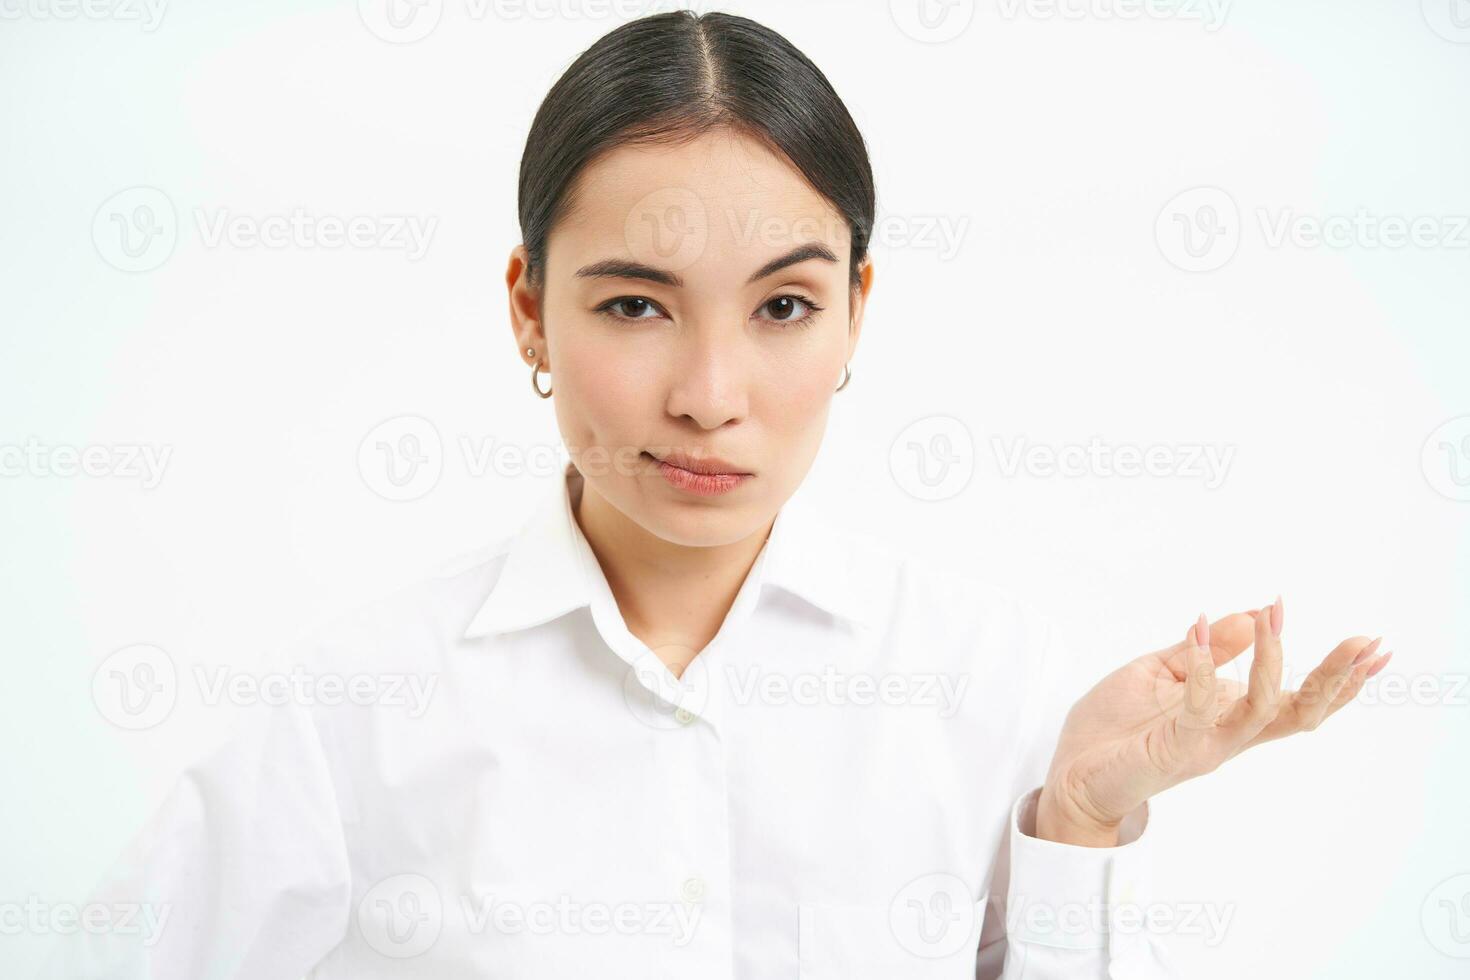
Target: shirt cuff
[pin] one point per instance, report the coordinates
(1073, 897)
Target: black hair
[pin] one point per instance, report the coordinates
(672, 76)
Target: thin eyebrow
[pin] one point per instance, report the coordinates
(811, 250)
(623, 269)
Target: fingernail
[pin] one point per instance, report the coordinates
(1381, 663)
(1202, 632)
(1366, 652)
(1278, 613)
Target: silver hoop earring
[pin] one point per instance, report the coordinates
(846, 376)
(535, 375)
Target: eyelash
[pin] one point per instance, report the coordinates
(812, 309)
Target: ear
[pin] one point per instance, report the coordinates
(858, 300)
(525, 308)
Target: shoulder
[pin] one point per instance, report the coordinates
(410, 622)
(958, 600)
(916, 598)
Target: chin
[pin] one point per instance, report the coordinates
(697, 524)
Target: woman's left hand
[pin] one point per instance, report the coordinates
(1165, 717)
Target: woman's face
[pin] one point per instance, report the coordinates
(696, 300)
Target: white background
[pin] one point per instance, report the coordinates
(1052, 143)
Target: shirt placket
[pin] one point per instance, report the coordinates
(693, 847)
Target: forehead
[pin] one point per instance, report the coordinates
(714, 207)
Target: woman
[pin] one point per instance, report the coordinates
(679, 725)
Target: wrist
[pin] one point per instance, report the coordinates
(1060, 821)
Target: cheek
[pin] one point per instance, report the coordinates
(602, 374)
(600, 386)
(797, 398)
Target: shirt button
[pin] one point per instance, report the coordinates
(693, 889)
(683, 716)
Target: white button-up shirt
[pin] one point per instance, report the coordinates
(841, 786)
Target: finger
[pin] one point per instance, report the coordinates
(1229, 636)
(1381, 663)
(1307, 707)
(1364, 667)
(1262, 700)
(1289, 720)
(1357, 676)
(1197, 718)
(1325, 683)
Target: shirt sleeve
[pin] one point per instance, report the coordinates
(1063, 911)
(241, 872)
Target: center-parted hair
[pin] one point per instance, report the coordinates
(671, 77)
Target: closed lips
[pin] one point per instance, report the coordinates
(704, 465)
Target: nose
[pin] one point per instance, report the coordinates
(711, 377)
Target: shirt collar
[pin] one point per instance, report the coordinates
(550, 569)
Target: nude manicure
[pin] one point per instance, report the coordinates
(1367, 652)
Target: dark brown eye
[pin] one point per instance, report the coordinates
(783, 307)
(790, 310)
(630, 308)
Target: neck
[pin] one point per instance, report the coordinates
(672, 597)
